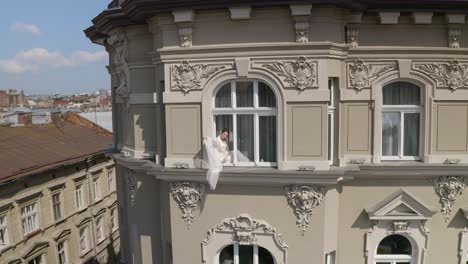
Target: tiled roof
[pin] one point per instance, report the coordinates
(27, 150)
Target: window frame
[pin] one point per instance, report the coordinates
(114, 219)
(403, 109)
(83, 234)
(60, 207)
(33, 260)
(110, 181)
(96, 190)
(393, 258)
(64, 251)
(34, 213)
(79, 190)
(236, 253)
(100, 232)
(4, 229)
(256, 111)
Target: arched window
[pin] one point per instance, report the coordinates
(401, 121)
(243, 254)
(394, 249)
(248, 109)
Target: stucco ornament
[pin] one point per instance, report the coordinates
(399, 227)
(188, 196)
(361, 75)
(244, 230)
(300, 74)
(303, 199)
(452, 75)
(132, 186)
(118, 41)
(187, 77)
(302, 29)
(352, 35)
(454, 34)
(123, 90)
(185, 35)
(448, 188)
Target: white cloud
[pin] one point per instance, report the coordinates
(38, 59)
(23, 27)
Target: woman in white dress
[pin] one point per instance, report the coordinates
(217, 153)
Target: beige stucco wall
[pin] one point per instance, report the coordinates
(450, 128)
(356, 128)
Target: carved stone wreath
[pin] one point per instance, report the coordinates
(186, 77)
(300, 74)
(361, 75)
(188, 196)
(452, 75)
(244, 229)
(303, 199)
(448, 188)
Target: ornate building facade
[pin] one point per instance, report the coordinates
(348, 130)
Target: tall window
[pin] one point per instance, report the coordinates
(79, 196)
(57, 206)
(401, 121)
(96, 193)
(29, 218)
(84, 246)
(3, 232)
(248, 109)
(36, 260)
(240, 254)
(110, 181)
(62, 252)
(113, 219)
(332, 84)
(100, 229)
(394, 249)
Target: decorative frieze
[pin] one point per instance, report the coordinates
(244, 230)
(452, 75)
(303, 199)
(448, 188)
(360, 75)
(300, 74)
(187, 77)
(188, 196)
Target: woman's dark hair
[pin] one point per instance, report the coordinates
(225, 130)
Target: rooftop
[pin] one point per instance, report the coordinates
(35, 148)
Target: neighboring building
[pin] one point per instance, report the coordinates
(12, 98)
(348, 120)
(58, 202)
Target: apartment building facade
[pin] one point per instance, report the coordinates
(348, 130)
(58, 201)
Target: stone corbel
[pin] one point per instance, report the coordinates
(184, 20)
(422, 18)
(301, 15)
(454, 30)
(448, 188)
(389, 18)
(352, 29)
(240, 12)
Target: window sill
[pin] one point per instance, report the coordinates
(101, 240)
(5, 248)
(59, 221)
(32, 234)
(80, 210)
(84, 253)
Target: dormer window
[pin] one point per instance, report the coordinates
(248, 109)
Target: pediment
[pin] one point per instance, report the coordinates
(401, 205)
(59, 235)
(82, 221)
(35, 248)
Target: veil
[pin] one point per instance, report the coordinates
(214, 163)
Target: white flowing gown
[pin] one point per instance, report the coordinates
(217, 153)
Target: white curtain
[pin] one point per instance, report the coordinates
(411, 134)
(390, 133)
(401, 93)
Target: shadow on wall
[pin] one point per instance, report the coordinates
(458, 220)
(113, 257)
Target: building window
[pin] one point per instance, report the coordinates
(248, 109)
(3, 232)
(100, 229)
(96, 193)
(29, 218)
(57, 206)
(401, 121)
(394, 249)
(114, 223)
(79, 196)
(36, 260)
(236, 254)
(62, 252)
(84, 246)
(332, 109)
(110, 181)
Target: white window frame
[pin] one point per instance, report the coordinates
(114, 222)
(393, 259)
(403, 109)
(31, 217)
(79, 198)
(96, 191)
(256, 111)
(60, 208)
(33, 260)
(236, 254)
(110, 181)
(100, 232)
(331, 120)
(63, 251)
(84, 238)
(4, 231)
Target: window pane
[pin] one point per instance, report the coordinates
(267, 140)
(394, 245)
(264, 256)
(224, 122)
(223, 97)
(411, 134)
(401, 93)
(227, 255)
(244, 94)
(245, 138)
(266, 97)
(390, 133)
(245, 254)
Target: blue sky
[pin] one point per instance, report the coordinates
(43, 48)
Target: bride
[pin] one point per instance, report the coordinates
(217, 153)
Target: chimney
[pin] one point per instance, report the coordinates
(56, 117)
(24, 118)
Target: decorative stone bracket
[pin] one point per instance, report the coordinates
(452, 75)
(360, 75)
(184, 20)
(448, 188)
(188, 196)
(301, 16)
(300, 74)
(303, 199)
